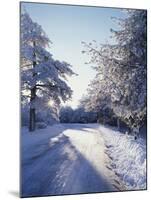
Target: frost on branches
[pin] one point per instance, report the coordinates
(43, 79)
(121, 70)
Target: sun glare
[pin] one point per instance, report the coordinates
(50, 103)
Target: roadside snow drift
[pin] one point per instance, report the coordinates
(127, 157)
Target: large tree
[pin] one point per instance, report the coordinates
(122, 68)
(42, 77)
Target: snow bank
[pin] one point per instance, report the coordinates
(128, 157)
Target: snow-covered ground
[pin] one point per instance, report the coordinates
(80, 158)
(127, 157)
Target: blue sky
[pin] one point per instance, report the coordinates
(67, 26)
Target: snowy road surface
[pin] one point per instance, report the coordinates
(66, 159)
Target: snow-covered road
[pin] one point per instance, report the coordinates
(66, 159)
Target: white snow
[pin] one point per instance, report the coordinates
(65, 159)
(31, 142)
(127, 157)
(80, 158)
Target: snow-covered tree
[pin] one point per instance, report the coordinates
(98, 101)
(42, 77)
(66, 114)
(78, 115)
(132, 50)
(121, 69)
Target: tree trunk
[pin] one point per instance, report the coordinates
(104, 117)
(32, 112)
(118, 124)
(98, 117)
(32, 119)
(104, 121)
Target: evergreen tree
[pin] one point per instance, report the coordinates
(42, 77)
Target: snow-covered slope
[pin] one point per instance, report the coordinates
(127, 157)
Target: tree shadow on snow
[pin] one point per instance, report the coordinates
(61, 169)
